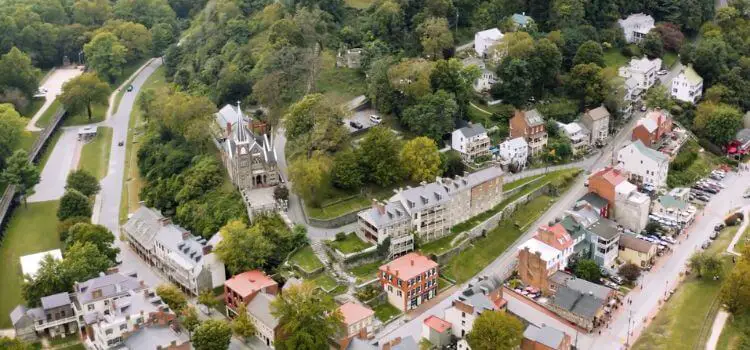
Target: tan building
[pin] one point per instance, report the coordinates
(544, 338)
(530, 126)
(358, 320)
(536, 262)
(636, 251)
(596, 122)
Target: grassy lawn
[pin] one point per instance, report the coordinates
(46, 117)
(32, 107)
(359, 4)
(339, 84)
(354, 203)
(30, 230)
(438, 246)
(132, 182)
(95, 154)
(700, 167)
(127, 71)
(520, 182)
(98, 113)
(385, 311)
(733, 332)
(350, 244)
(366, 272)
(669, 59)
(325, 282)
(742, 242)
(614, 58)
(685, 321)
(27, 139)
(306, 259)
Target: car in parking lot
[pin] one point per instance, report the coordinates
(669, 239)
(662, 72)
(355, 124)
(617, 279)
(375, 119)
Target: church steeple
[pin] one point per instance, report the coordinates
(241, 137)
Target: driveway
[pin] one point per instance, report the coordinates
(63, 159)
(362, 117)
(53, 84)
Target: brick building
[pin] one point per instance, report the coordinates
(529, 125)
(409, 280)
(652, 127)
(242, 288)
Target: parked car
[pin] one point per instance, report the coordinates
(120, 143)
(706, 244)
(713, 235)
(662, 72)
(617, 279)
(375, 119)
(355, 124)
(669, 239)
(719, 227)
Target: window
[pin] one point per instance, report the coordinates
(106, 312)
(90, 307)
(399, 293)
(123, 327)
(62, 313)
(108, 331)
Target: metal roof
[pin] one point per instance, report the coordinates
(546, 335)
(55, 300)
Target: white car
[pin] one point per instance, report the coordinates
(662, 72)
(669, 239)
(375, 119)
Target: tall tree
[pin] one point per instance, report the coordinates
(671, 36)
(73, 203)
(212, 335)
(91, 12)
(242, 325)
(11, 130)
(146, 12)
(208, 299)
(82, 181)
(587, 84)
(106, 55)
(307, 320)
(567, 13)
(588, 270)
(451, 76)
(653, 45)
(17, 72)
(185, 114)
(495, 330)
(421, 159)
(21, 173)
(315, 124)
(718, 122)
(242, 249)
(710, 59)
(309, 177)
(172, 296)
(433, 116)
(379, 152)
(515, 81)
(347, 170)
(134, 36)
(161, 37)
(97, 235)
(83, 91)
(546, 61)
(189, 319)
(658, 97)
(589, 52)
(49, 279)
(83, 261)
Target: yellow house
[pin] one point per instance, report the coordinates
(636, 251)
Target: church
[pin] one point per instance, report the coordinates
(247, 150)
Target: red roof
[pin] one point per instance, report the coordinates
(438, 324)
(249, 282)
(562, 239)
(611, 175)
(409, 266)
(354, 312)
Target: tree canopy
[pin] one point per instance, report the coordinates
(306, 319)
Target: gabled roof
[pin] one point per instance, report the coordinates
(521, 19)
(634, 243)
(605, 228)
(561, 238)
(472, 130)
(533, 117)
(260, 308)
(613, 176)
(55, 300)
(650, 153)
(409, 266)
(597, 113)
(691, 76)
(354, 312)
(491, 34)
(594, 200)
(110, 285)
(17, 313)
(581, 285)
(249, 282)
(550, 337)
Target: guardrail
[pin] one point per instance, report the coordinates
(10, 191)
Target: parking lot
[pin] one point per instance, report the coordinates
(362, 117)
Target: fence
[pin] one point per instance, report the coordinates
(41, 141)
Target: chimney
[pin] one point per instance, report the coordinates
(164, 221)
(412, 262)
(185, 235)
(380, 207)
(229, 129)
(207, 249)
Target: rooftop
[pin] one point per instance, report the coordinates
(354, 312)
(438, 324)
(109, 285)
(581, 285)
(409, 266)
(595, 200)
(533, 117)
(514, 143)
(521, 19)
(611, 175)
(55, 300)
(562, 239)
(153, 337)
(598, 113)
(546, 335)
(472, 130)
(249, 282)
(691, 76)
(650, 153)
(547, 252)
(634, 243)
(31, 263)
(476, 294)
(491, 34)
(260, 308)
(605, 228)
(668, 201)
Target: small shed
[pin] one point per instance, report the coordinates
(437, 331)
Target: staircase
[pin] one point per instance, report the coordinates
(320, 252)
(338, 272)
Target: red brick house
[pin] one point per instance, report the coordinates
(652, 127)
(603, 183)
(244, 287)
(409, 280)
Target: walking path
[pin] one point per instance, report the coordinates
(53, 84)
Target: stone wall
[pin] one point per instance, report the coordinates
(338, 221)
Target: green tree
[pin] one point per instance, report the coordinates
(106, 55)
(588, 270)
(566, 13)
(309, 177)
(161, 37)
(589, 52)
(379, 152)
(146, 12)
(49, 279)
(718, 122)
(452, 164)
(315, 124)
(73, 203)
(134, 36)
(347, 171)
(709, 59)
(546, 61)
(173, 297)
(17, 72)
(91, 12)
(587, 84)
(11, 130)
(212, 335)
(433, 116)
(388, 21)
(658, 97)
(451, 76)
(242, 249)
(696, 263)
(83, 91)
(496, 330)
(515, 45)
(307, 320)
(189, 319)
(515, 81)
(420, 158)
(653, 45)
(242, 325)
(63, 227)
(187, 115)
(98, 235)
(735, 290)
(83, 261)
(630, 272)
(208, 299)
(382, 95)
(14, 344)
(19, 171)
(411, 77)
(82, 181)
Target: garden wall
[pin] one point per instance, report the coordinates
(338, 221)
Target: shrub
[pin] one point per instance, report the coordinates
(340, 236)
(629, 272)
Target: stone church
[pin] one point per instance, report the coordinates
(248, 155)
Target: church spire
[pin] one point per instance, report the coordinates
(240, 124)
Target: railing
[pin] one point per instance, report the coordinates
(10, 191)
(48, 324)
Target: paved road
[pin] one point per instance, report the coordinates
(63, 159)
(53, 84)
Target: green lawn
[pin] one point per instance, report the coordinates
(27, 139)
(614, 58)
(354, 203)
(385, 311)
(132, 182)
(32, 107)
(438, 246)
(340, 84)
(669, 59)
(511, 185)
(95, 154)
(30, 230)
(685, 321)
(742, 242)
(734, 330)
(98, 113)
(366, 272)
(306, 259)
(350, 244)
(46, 117)
(325, 282)
(359, 4)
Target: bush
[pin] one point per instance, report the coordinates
(631, 51)
(281, 193)
(63, 227)
(629, 272)
(83, 181)
(340, 236)
(73, 203)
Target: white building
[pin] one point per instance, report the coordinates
(486, 79)
(631, 207)
(31, 263)
(186, 260)
(642, 70)
(636, 26)
(577, 134)
(471, 141)
(674, 209)
(644, 165)
(515, 151)
(687, 86)
(485, 39)
(266, 324)
(482, 295)
(596, 121)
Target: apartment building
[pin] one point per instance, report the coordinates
(596, 121)
(471, 142)
(642, 70)
(409, 280)
(636, 26)
(626, 205)
(514, 152)
(687, 86)
(536, 262)
(529, 125)
(431, 209)
(643, 164)
(652, 127)
(242, 288)
(186, 260)
(482, 294)
(604, 236)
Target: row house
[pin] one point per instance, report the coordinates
(55, 317)
(625, 205)
(359, 320)
(596, 121)
(601, 234)
(186, 260)
(514, 153)
(471, 142)
(430, 210)
(545, 338)
(409, 281)
(548, 251)
(256, 291)
(636, 251)
(482, 294)
(644, 165)
(578, 136)
(650, 129)
(581, 302)
(529, 125)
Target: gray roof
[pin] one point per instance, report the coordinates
(111, 285)
(580, 285)
(55, 300)
(407, 343)
(598, 113)
(474, 294)
(584, 214)
(472, 130)
(17, 314)
(633, 243)
(594, 199)
(241, 135)
(260, 308)
(546, 335)
(605, 228)
(651, 153)
(533, 117)
(576, 302)
(153, 336)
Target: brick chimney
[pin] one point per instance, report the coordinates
(185, 235)
(229, 129)
(207, 249)
(379, 206)
(411, 262)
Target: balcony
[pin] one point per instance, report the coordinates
(48, 324)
